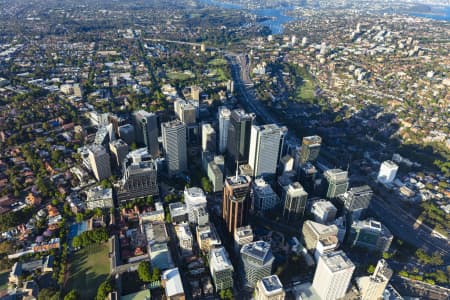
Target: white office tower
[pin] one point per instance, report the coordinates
(293, 40)
(263, 196)
(224, 123)
(208, 138)
(266, 143)
(185, 111)
(304, 41)
(99, 161)
(221, 268)
(372, 287)
(174, 144)
(388, 171)
(194, 198)
(269, 288)
(323, 211)
(257, 260)
(333, 274)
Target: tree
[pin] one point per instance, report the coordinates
(156, 274)
(49, 294)
(72, 295)
(76, 242)
(103, 290)
(371, 269)
(226, 294)
(206, 185)
(144, 271)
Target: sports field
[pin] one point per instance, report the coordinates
(88, 269)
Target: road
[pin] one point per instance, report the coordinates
(395, 218)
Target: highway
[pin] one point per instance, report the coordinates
(395, 218)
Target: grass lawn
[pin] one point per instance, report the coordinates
(306, 90)
(217, 62)
(220, 74)
(4, 280)
(88, 269)
(179, 76)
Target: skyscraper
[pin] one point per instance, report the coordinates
(269, 288)
(174, 144)
(221, 268)
(194, 198)
(266, 144)
(310, 148)
(236, 201)
(337, 182)
(372, 287)
(371, 235)
(294, 198)
(99, 162)
(146, 126)
(119, 150)
(357, 200)
(257, 260)
(263, 197)
(333, 274)
(208, 138)
(238, 143)
(224, 123)
(185, 111)
(139, 176)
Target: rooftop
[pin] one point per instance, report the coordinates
(219, 259)
(312, 140)
(337, 261)
(259, 250)
(272, 284)
(238, 180)
(173, 285)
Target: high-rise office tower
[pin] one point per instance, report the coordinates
(185, 111)
(307, 176)
(357, 200)
(195, 93)
(263, 197)
(257, 260)
(310, 148)
(236, 201)
(127, 133)
(208, 138)
(337, 182)
(116, 122)
(269, 288)
(139, 176)
(146, 126)
(99, 162)
(119, 150)
(194, 198)
(174, 144)
(224, 123)
(294, 198)
(313, 232)
(238, 143)
(388, 171)
(324, 211)
(266, 144)
(371, 235)
(372, 287)
(221, 268)
(333, 274)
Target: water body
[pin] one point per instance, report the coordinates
(443, 15)
(277, 15)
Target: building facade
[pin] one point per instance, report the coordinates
(236, 201)
(175, 146)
